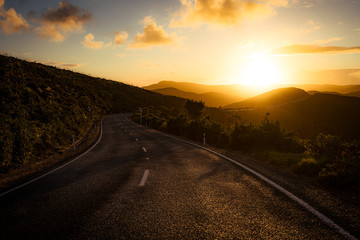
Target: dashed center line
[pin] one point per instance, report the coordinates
(136, 139)
(143, 180)
(144, 149)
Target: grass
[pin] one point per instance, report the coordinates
(37, 167)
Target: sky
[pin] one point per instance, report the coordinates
(142, 42)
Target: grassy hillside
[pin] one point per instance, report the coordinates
(41, 107)
(307, 115)
(211, 99)
(273, 98)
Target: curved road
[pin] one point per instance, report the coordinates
(139, 184)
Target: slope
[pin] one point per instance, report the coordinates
(310, 115)
(272, 98)
(42, 107)
(234, 89)
(211, 99)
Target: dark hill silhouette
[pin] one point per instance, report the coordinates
(353, 94)
(310, 115)
(342, 89)
(211, 99)
(234, 89)
(269, 99)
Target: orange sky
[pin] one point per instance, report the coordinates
(142, 42)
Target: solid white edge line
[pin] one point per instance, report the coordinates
(143, 180)
(58, 168)
(305, 205)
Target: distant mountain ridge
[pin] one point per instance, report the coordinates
(275, 97)
(233, 89)
(211, 99)
(244, 91)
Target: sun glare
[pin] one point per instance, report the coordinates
(259, 72)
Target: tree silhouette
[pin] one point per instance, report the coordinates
(194, 108)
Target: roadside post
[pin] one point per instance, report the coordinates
(204, 138)
(140, 110)
(73, 137)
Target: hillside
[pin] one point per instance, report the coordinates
(211, 99)
(310, 115)
(244, 91)
(41, 107)
(353, 94)
(343, 89)
(271, 99)
(234, 89)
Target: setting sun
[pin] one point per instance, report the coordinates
(260, 71)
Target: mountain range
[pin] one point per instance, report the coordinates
(306, 110)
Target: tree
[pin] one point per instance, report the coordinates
(194, 108)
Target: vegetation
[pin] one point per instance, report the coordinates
(330, 159)
(42, 107)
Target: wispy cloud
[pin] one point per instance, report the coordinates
(89, 42)
(313, 49)
(10, 21)
(223, 12)
(153, 35)
(309, 27)
(58, 22)
(120, 38)
(326, 41)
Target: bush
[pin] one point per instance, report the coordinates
(308, 166)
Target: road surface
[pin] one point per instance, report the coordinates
(138, 184)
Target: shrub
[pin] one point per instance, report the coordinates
(307, 166)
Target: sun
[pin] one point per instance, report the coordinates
(259, 72)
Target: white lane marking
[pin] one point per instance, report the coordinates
(144, 149)
(136, 139)
(305, 205)
(58, 168)
(143, 180)
(147, 158)
(130, 134)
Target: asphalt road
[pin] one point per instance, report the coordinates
(138, 184)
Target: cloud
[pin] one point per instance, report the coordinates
(313, 49)
(90, 43)
(120, 38)
(153, 35)
(223, 12)
(10, 21)
(325, 41)
(58, 22)
(310, 27)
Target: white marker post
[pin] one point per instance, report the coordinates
(73, 141)
(204, 138)
(140, 110)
